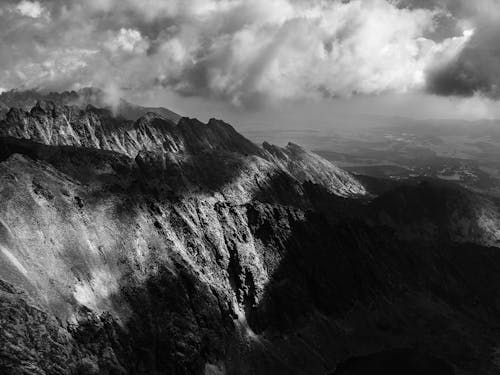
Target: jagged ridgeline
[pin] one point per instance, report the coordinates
(154, 244)
(82, 98)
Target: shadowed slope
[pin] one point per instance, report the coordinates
(204, 155)
(150, 247)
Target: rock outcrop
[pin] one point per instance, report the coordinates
(150, 247)
(26, 100)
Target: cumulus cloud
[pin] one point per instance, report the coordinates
(31, 9)
(128, 40)
(248, 52)
(475, 71)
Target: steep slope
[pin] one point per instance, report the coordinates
(188, 147)
(126, 280)
(53, 124)
(307, 166)
(100, 214)
(349, 290)
(148, 247)
(26, 100)
(434, 210)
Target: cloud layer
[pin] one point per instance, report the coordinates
(247, 52)
(476, 69)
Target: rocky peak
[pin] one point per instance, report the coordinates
(151, 246)
(306, 166)
(15, 115)
(158, 140)
(81, 99)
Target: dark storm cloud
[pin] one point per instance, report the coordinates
(476, 69)
(246, 52)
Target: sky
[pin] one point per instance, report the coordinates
(296, 63)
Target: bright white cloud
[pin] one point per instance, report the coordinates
(128, 40)
(247, 52)
(292, 50)
(31, 9)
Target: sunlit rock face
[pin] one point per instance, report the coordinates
(155, 247)
(213, 152)
(82, 99)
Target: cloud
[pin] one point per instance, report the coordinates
(249, 53)
(475, 70)
(128, 40)
(31, 9)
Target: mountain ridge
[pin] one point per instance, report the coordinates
(154, 247)
(161, 142)
(27, 99)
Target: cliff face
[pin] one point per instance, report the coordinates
(204, 154)
(150, 247)
(26, 100)
(136, 231)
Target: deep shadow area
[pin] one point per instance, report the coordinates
(395, 362)
(148, 174)
(390, 293)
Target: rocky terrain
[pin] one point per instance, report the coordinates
(152, 246)
(83, 98)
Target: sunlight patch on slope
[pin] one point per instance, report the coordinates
(13, 260)
(92, 294)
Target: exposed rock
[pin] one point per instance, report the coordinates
(201, 155)
(149, 247)
(26, 100)
(306, 166)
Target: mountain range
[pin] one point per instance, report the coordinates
(83, 98)
(134, 241)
